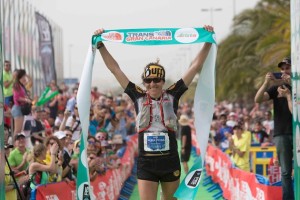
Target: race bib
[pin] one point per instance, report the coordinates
(156, 142)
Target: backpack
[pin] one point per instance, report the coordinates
(25, 187)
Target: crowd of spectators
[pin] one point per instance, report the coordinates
(48, 139)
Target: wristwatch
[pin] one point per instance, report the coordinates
(100, 45)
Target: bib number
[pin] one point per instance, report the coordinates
(156, 142)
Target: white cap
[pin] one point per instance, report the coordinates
(60, 134)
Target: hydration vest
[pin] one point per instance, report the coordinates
(144, 118)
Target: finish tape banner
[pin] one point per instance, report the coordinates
(156, 36)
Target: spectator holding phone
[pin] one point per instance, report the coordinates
(279, 90)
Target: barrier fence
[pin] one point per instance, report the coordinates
(235, 183)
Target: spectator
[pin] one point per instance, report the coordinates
(18, 157)
(240, 148)
(67, 166)
(56, 175)
(72, 101)
(53, 103)
(62, 97)
(259, 137)
(186, 141)
(35, 127)
(223, 132)
(10, 187)
(91, 143)
(279, 90)
(20, 97)
(44, 115)
(117, 124)
(73, 124)
(8, 81)
(268, 123)
(102, 136)
(232, 119)
(38, 169)
(59, 118)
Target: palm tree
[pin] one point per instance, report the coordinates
(260, 38)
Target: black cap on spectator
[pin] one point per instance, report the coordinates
(237, 127)
(286, 61)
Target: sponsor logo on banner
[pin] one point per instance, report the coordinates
(86, 193)
(162, 35)
(193, 178)
(113, 36)
(186, 35)
(52, 197)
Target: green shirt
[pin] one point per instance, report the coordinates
(7, 76)
(15, 159)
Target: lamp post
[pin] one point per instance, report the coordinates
(70, 60)
(211, 10)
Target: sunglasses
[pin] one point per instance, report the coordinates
(91, 142)
(149, 80)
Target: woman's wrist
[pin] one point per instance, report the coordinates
(100, 45)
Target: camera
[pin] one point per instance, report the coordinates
(277, 75)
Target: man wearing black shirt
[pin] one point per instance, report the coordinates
(279, 90)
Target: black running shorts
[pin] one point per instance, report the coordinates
(159, 168)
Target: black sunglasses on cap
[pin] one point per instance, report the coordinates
(149, 80)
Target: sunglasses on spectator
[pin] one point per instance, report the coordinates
(91, 142)
(149, 80)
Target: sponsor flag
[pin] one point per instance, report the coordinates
(83, 188)
(46, 96)
(189, 186)
(203, 110)
(46, 50)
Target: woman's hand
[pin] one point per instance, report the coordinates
(99, 31)
(208, 28)
(54, 149)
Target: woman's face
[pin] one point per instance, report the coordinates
(23, 80)
(154, 86)
(101, 136)
(91, 144)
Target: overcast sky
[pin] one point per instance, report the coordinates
(80, 18)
